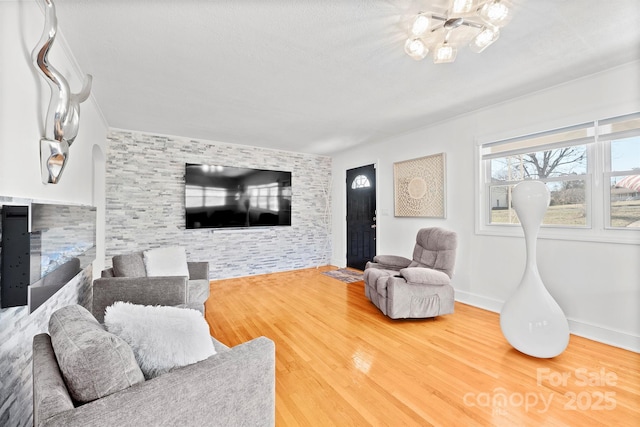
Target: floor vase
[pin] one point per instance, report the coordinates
(531, 320)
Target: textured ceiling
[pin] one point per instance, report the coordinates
(320, 76)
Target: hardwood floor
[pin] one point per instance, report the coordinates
(339, 361)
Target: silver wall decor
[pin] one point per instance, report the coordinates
(63, 115)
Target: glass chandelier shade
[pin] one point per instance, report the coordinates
(444, 53)
(475, 23)
(494, 12)
(415, 48)
(483, 40)
(420, 24)
(462, 6)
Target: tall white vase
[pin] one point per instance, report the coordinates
(531, 320)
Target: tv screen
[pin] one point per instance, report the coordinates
(231, 197)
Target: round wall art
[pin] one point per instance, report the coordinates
(419, 186)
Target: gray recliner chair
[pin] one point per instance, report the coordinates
(418, 287)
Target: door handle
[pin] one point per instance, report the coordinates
(374, 226)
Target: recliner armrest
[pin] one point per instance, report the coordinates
(425, 276)
(162, 290)
(391, 262)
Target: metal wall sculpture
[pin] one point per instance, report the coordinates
(63, 115)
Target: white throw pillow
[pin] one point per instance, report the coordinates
(162, 338)
(171, 261)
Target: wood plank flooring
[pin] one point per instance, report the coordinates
(339, 361)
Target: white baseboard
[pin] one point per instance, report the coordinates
(607, 336)
(485, 303)
(338, 262)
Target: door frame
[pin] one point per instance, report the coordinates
(345, 168)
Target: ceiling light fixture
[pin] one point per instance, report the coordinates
(455, 23)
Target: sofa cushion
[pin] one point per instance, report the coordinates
(94, 363)
(162, 338)
(171, 261)
(129, 265)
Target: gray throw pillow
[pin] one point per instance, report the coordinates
(129, 265)
(94, 363)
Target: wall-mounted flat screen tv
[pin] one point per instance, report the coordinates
(219, 196)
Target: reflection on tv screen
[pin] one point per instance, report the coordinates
(224, 196)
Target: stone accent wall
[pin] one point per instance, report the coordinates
(145, 205)
(17, 328)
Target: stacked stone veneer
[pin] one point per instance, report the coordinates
(145, 205)
(17, 328)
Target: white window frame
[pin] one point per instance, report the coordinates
(608, 133)
(597, 191)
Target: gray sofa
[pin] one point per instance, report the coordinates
(127, 281)
(235, 386)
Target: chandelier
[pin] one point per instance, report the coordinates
(459, 22)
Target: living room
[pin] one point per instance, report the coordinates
(135, 178)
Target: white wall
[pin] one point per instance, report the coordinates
(24, 97)
(596, 284)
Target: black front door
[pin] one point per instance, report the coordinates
(361, 216)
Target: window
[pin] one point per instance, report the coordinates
(558, 158)
(360, 181)
(622, 171)
(592, 171)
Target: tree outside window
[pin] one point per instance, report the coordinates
(564, 172)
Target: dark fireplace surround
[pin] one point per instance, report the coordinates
(43, 245)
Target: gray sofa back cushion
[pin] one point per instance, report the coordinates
(129, 265)
(94, 363)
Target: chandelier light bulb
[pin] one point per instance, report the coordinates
(420, 25)
(484, 39)
(462, 6)
(415, 48)
(444, 53)
(494, 12)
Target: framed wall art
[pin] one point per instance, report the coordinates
(419, 187)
